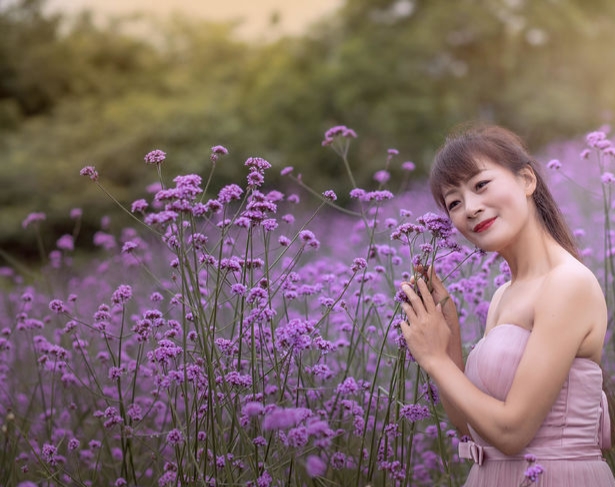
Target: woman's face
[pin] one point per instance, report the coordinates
(492, 207)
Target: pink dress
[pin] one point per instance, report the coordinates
(568, 443)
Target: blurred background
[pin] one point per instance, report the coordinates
(87, 82)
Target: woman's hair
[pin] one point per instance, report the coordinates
(458, 160)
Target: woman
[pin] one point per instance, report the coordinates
(532, 385)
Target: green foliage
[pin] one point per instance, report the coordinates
(73, 93)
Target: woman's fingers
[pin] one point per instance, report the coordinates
(427, 299)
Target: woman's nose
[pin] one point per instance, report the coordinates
(473, 206)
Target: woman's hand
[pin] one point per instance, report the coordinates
(440, 295)
(426, 331)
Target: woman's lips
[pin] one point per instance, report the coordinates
(484, 225)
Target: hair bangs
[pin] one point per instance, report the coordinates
(454, 164)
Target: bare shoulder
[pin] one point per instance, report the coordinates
(571, 286)
(572, 276)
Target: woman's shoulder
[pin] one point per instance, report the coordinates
(571, 274)
(571, 281)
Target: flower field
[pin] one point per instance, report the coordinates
(251, 336)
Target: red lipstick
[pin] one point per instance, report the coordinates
(484, 225)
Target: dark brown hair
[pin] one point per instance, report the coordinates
(457, 161)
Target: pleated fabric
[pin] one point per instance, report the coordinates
(568, 443)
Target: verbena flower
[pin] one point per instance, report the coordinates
(155, 157)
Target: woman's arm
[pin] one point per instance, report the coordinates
(563, 316)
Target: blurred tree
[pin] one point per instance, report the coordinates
(401, 73)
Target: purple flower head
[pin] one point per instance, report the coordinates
(269, 224)
(340, 131)
(128, 247)
(330, 195)
(392, 152)
(90, 172)
(175, 437)
(315, 466)
(76, 213)
(282, 418)
(534, 472)
(155, 157)
(414, 412)
(607, 178)
(33, 218)
(255, 179)
(122, 294)
(357, 193)
(358, 264)
(438, 225)
(408, 166)
(382, 176)
(554, 164)
(57, 306)
(381, 195)
(217, 151)
(229, 193)
(257, 164)
(529, 457)
(66, 242)
(349, 386)
(286, 170)
(139, 206)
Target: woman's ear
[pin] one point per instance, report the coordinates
(528, 177)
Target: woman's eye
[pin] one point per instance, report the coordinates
(452, 205)
(481, 184)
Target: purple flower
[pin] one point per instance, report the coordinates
(414, 412)
(382, 176)
(128, 247)
(533, 472)
(76, 213)
(229, 193)
(554, 164)
(297, 437)
(338, 131)
(438, 225)
(358, 264)
(57, 306)
(217, 151)
(155, 157)
(175, 437)
(392, 152)
(32, 218)
(349, 386)
(252, 409)
(269, 224)
(282, 418)
(357, 193)
(89, 171)
(381, 195)
(315, 466)
(255, 179)
(122, 294)
(607, 178)
(330, 195)
(65, 242)
(408, 166)
(257, 164)
(139, 206)
(286, 170)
